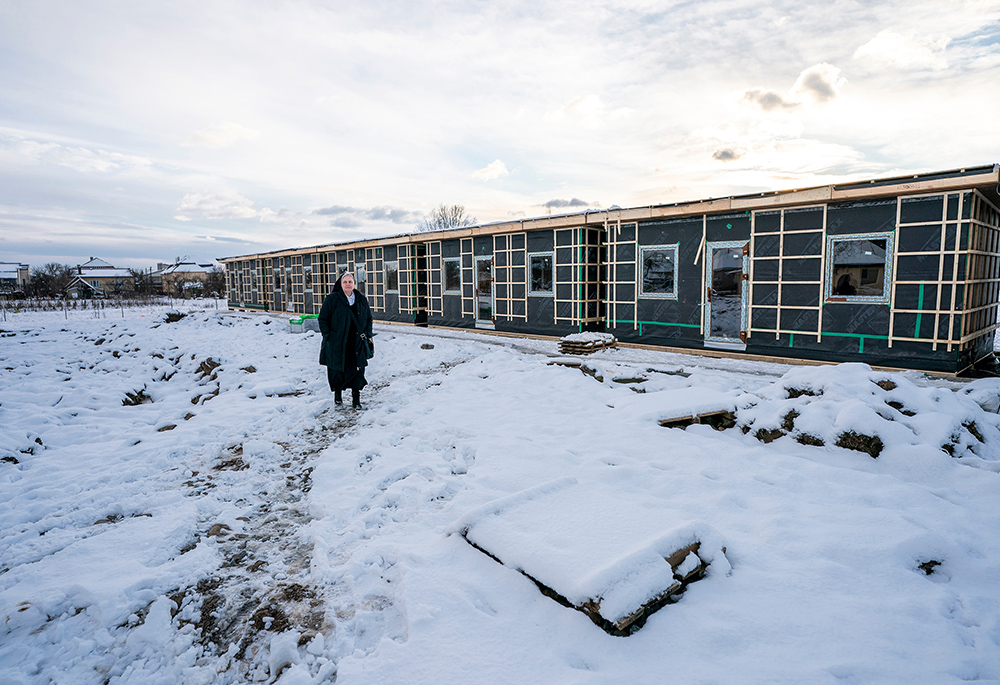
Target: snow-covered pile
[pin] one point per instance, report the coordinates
(591, 548)
(851, 406)
(588, 337)
(585, 343)
(182, 502)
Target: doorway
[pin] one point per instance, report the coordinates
(726, 293)
(484, 292)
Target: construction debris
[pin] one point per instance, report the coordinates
(586, 343)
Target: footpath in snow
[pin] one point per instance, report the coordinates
(181, 502)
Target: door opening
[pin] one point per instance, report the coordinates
(726, 295)
(484, 292)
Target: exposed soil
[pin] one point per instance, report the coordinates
(766, 435)
(262, 588)
(870, 445)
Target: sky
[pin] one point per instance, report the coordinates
(142, 132)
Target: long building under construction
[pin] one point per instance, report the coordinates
(897, 272)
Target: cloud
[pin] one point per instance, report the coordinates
(891, 49)
(561, 204)
(352, 217)
(609, 104)
(726, 155)
(224, 205)
(225, 239)
(76, 157)
(223, 134)
(821, 82)
(495, 169)
(270, 216)
(768, 100)
(588, 110)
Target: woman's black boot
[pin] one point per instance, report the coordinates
(356, 399)
(338, 397)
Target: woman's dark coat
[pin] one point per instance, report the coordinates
(336, 324)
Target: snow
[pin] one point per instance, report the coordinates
(589, 337)
(240, 527)
(587, 544)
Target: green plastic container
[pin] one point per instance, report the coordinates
(310, 322)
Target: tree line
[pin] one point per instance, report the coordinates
(52, 279)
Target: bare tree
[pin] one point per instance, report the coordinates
(50, 279)
(143, 280)
(215, 282)
(444, 217)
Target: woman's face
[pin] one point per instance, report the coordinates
(347, 285)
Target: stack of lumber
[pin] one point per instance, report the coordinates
(586, 343)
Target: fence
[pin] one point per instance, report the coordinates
(98, 308)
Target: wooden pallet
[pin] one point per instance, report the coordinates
(589, 347)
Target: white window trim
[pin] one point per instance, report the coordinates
(385, 271)
(830, 298)
(675, 249)
(552, 261)
(444, 275)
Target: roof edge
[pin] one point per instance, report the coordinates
(982, 175)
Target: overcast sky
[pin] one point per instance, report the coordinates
(141, 130)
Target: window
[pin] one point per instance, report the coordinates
(541, 273)
(859, 267)
(659, 267)
(308, 278)
(392, 276)
(452, 276)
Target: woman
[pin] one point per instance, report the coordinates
(344, 318)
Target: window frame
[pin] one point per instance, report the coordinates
(444, 274)
(831, 240)
(385, 270)
(552, 267)
(674, 248)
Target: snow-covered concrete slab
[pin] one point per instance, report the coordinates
(592, 551)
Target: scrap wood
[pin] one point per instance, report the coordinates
(586, 343)
(576, 348)
(718, 419)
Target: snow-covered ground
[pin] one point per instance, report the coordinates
(181, 502)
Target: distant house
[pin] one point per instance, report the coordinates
(156, 276)
(186, 277)
(13, 278)
(97, 278)
(858, 268)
